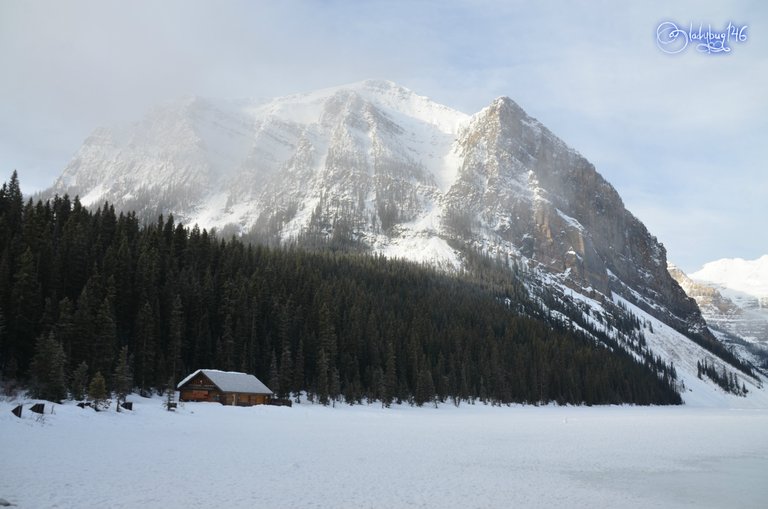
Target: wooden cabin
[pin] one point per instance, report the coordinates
(225, 387)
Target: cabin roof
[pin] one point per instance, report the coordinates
(231, 381)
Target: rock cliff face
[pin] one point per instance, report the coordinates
(528, 191)
(705, 295)
(378, 165)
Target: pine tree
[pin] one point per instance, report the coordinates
(328, 344)
(298, 373)
(97, 392)
(334, 385)
(327, 334)
(170, 395)
(390, 377)
(48, 378)
(226, 354)
(122, 377)
(14, 201)
(425, 388)
(82, 334)
(176, 336)
(27, 309)
(274, 375)
(79, 383)
(286, 373)
(322, 377)
(145, 348)
(105, 338)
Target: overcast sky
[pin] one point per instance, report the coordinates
(684, 138)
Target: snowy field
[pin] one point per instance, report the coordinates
(308, 456)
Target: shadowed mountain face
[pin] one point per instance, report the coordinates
(380, 166)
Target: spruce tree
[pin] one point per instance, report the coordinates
(176, 336)
(27, 309)
(14, 204)
(47, 369)
(122, 377)
(226, 349)
(79, 382)
(286, 373)
(105, 338)
(298, 373)
(145, 348)
(390, 377)
(334, 388)
(170, 394)
(274, 375)
(425, 388)
(322, 377)
(97, 392)
(83, 328)
(327, 334)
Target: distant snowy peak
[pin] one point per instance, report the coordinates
(746, 276)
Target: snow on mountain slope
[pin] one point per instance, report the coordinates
(672, 346)
(362, 142)
(649, 339)
(376, 166)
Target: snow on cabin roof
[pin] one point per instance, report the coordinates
(231, 381)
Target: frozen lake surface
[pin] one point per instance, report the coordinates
(308, 456)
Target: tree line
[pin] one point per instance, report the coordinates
(727, 380)
(98, 293)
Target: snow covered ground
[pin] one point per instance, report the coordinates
(308, 456)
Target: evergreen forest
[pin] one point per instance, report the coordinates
(90, 293)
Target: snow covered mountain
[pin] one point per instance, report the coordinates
(371, 151)
(376, 165)
(743, 281)
(733, 297)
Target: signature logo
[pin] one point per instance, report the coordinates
(672, 39)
